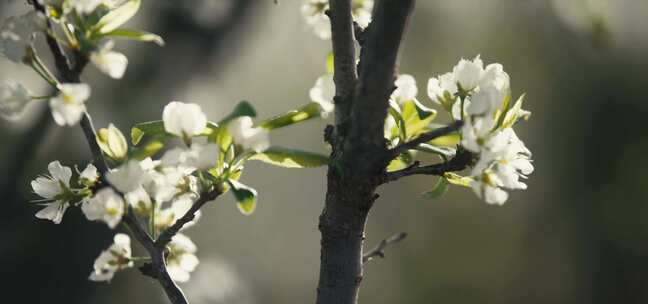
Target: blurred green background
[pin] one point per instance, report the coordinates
(578, 235)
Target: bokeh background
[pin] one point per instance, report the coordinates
(578, 235)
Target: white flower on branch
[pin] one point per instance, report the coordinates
(69, 105)
(182, 259)
(89, 175)
(55, 189)
(140, 201)
(127, 177)
(109, 62)
(184, 119)
(17, 34)
(13, 99)
(314, 12)
(84, 7)
(200, 156)
(106, 206)
(406, 89)
(115, 258)
(247, 136)
(323, 92)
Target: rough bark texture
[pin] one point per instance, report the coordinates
(360, 156)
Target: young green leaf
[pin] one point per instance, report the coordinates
(147, 150)
(243, 108)
(118, 16)
(311, 110)
(246, 197)
(438, 190)
(151, 128)
(291, 158)
(135, 35)
(458, 180)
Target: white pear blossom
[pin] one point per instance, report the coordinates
(323, 93)
(17, 34)
(486, 101)
(405, 89)
(487, 187)
(84, 7)
(109, 62)
(89, 175)
(469, 73)
(13, 99)
(127, 177)
(182, 259)
(164, 218)
(69, 105)
(200, 156)
(106, 206)
(140, 200)
(443, 90)
(249, 137)
(53, 188)
(314, 12)
(116, 257)
(184, 119)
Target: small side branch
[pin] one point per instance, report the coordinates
(402, 148)
(458, 163)
(379, 250)
(165, 237)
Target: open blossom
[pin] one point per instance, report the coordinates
(323, 92)
(106, 206)
(109, 62)
(200, 156)
(89, 175)
(85, 7)
(69, 105)
(184, 119)
(247, 136)
(52, 188)
(127, 177)
(116, 257)
(140, 201)
(13, 99)
(314, 12)
(166, 217)
(406, 89)
(182, 259)
(17, 33)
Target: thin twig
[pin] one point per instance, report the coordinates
(166, 235)
(379, 250)
(461, 161)
(425, 137)
(71, 73)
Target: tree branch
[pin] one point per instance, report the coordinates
(458, 163)
(344, 56)
(379, 250)
(423, 138)
(358, 157)
(165, 237)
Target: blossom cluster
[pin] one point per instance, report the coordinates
(481, 97)
(314, 12)
(84, 27)
(158, 191)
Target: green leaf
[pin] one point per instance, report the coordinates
(156, 129)
(149, 149)
(457, 179)
(311, 110)
(439, 189)
(136, 35)
(117, 17)
(513, 114)
(291, 158)
(396, 113)
(417, 117)
(246, 197)
(151, 128)
(450, 140)
(243, 108)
